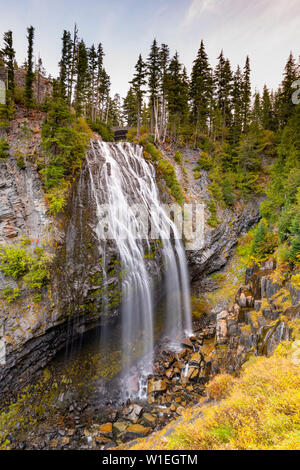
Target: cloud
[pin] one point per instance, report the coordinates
(196, 8)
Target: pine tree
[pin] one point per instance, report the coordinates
(138, 82)
(65, 64)
(267, 110)
(93, 65)
(201, 89)
(29, 78)
(103, 83)
(130, 108)
(82, 79)
(223, 87)
(103, 94)
(8, 54)
(256, 112)
(115, 112)
(237, 105)
(164, 60)
(39, 73)
(73, 66)
(219, 81)
(286, 106)
(153, 70)
(246, 95)
(177, 92)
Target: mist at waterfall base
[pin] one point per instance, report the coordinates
(153, 305)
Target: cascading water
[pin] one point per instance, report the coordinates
(122, 180)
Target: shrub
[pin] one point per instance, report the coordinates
(219, 387)
(169, 175)
(228, 193)
(167, 171)
(20, 159)
(14, 261)
(178, 157)
(205, 161)
(264, 242)
(56, 202)
(213, 221)
(4, 148)
(102, 129)
(38, 274)
(11, 294)
(17, 263)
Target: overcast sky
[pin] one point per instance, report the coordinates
(267, 30)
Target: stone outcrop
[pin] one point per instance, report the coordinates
(257, 322)
(220, 242)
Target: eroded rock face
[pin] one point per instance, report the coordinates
(256, 323)
(220, 242)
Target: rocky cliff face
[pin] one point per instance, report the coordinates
(219, 243)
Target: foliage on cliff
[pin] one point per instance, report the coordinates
(65, 139)
(21, 262)
(163, 167)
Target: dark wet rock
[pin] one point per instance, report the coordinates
(112, 415)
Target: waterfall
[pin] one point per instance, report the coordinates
(121, 179)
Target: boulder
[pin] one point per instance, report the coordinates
(149, 418)
(195, 358)
(132, 412)
(187, 342)
(106, 429)
(120, 426)
(159, 385)
(242, 300)
(221, 328)
(135, 431)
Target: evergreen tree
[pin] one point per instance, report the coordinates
(138, 82)
(201, 89)
(130, 108)
(8, 54)
(65, 64)
(82, 79)
(256, 113)
(164, 60)
(153, 70)
(93, 65)
(29, 78)
(115, 111)
(39, 73)
(223, 87)
(286, 106)
(177, 92)
(267, 110)
(73, 67)
(237, 106)
(246, 95)
(103, 94)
